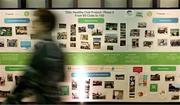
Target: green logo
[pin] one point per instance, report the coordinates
(26, 13)
(149, 13)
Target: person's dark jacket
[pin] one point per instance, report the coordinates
(47, 64)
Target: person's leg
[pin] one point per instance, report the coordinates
(18, 93)
(15, 97)
(48, 95)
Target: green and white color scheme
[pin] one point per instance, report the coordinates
(111, 55)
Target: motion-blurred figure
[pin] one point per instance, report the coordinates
(46, 68)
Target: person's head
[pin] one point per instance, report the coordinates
(44, 21)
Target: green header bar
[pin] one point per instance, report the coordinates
(163, 68)
(123, 58)
(14, 58)
(91, 20)
(15, 68)
(101, 58)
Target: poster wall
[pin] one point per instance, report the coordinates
(111, 55)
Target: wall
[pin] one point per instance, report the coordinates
(88, 3)
(8, 3)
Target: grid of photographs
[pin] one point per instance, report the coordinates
(122, 34)
(112, 36)
(139, 86)
(73, 36)
(8, 36)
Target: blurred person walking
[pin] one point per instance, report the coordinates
(46, 68)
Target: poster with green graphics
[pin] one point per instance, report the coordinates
(111, 55)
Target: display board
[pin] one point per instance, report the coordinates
(111, 55)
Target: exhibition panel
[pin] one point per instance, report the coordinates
(112, 55)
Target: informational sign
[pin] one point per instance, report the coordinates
(111, 55)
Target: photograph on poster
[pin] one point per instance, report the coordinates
(122, 42)
(5, 31)
(142, 25)
(12, 42)
(142, 80)
(153, 87)
(73, 38)
(4, 94)
(17, 79)
(96, 43)
(111, 38)
(135, 43)
(174, 87)
(88, 81)
(117, 94)
(1, 42)
(72, 44)
(175, 42)
(132, 95)
(91, 26)
(82, 29)
(61, 25)
(162, 93)
(73, 29)
(64, 90)
(75, 96)
(148, 44)
(10, 77)
(84, 36)
(119, 76)
(108, 84)
(87, 88)
(132, 87)
(122, 26)
(122, 34)
(110, 47)
(140, 94)
(111, 26)
(162, 30)
(61, 35)
(135, 32)
(87, 95)
(2, 80)
(175, 97)
(74, 85)
(149, 33)
(155, 77)
(85, 45)
(21, 30)
(169, 77)
(97, 83)
(139, 14)
(98, 95)
(97, 32)
(174, 32)
(62, 45)
(162, 42)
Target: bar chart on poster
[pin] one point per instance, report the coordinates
(111, 55)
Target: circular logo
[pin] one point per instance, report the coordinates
(149, 13)
(26, 13)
